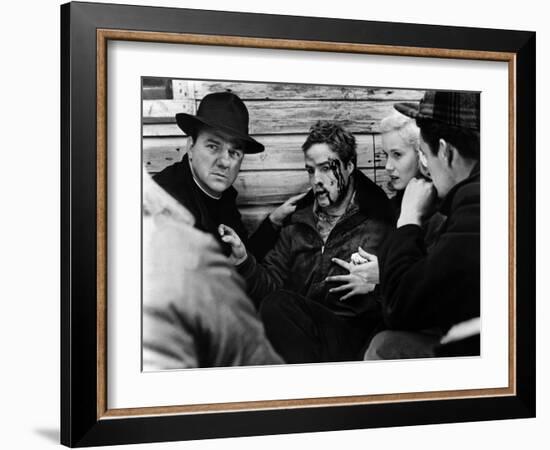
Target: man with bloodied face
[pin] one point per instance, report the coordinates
(304, 320)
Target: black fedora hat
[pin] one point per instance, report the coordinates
(224, 111)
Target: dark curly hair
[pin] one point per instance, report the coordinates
(340, 141)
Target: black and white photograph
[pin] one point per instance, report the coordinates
(303, 223)
(278, 221)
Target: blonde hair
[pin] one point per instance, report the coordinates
(404, 126)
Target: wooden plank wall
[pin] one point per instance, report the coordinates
(280, 117)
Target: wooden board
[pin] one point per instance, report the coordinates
(166, 110)
(381, 178)
(285, 91)
(183, 89)
(252, 216)
(159, 153)
(379, 155)
(274, 117)
(282, 152)
(156, 88)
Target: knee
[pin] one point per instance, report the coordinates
(401, 345)
(381, 346)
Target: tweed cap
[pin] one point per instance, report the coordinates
(458, 109)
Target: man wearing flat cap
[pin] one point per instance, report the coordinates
(202, 181)
(436, 288)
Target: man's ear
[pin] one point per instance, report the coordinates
(350, 166)
(446, 152)
(189, 143)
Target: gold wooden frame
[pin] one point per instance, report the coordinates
(103, 36)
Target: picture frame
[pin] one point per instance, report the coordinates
(86, 28)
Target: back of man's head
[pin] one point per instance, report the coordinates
(466, 141)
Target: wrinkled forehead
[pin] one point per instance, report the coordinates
(319, 154)
(215, 134)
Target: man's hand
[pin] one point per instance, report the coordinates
(365, 265)
(354, 283)
(418, 202)
(278, 215)
(238, 250)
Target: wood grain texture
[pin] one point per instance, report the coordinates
(379, 155)
(156, 88)
(284, 116)
(164, 111)
(182, 89)
(253, 215)
(285, 91)
(381, 178)
(159, 153)
(282, 152)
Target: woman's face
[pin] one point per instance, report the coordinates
(402, 160)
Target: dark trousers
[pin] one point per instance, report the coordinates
(304, 331)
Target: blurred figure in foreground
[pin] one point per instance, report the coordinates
(195, 310)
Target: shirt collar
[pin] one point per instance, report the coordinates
(199, 185)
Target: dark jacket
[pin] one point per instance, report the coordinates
(431, 226)
(300, 261)
(177, 180)
(437, 287)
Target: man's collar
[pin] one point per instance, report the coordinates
(199, 185)
(448, 200)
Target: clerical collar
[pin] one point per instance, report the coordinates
(199, 185)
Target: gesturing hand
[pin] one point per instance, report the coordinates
(278, 215)
(357, 281)
(366, 266)
(238, 250)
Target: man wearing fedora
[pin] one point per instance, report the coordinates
(427, 291)
(202, 181)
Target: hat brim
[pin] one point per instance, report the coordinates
(189, 124)
(408, 109)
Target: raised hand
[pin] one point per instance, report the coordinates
(366, 266)
(418, 202)
(354, 283)
(238, 250)
(278, 215)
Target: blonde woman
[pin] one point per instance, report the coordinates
(404, 161)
